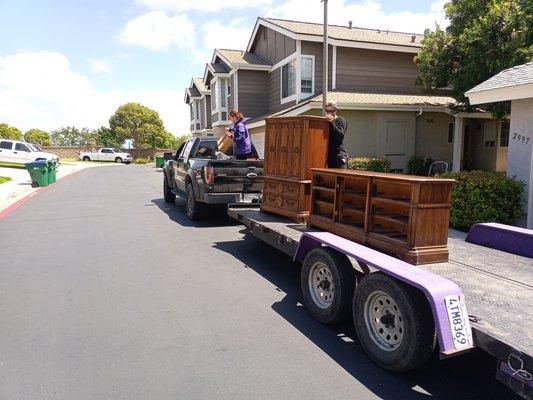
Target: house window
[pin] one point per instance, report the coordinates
(307, 76)
(192, 111)
(223, 88)
(451, 129)
(196, 117)
(214, 97)
(504, 134)
(489, 134)
(288, 80)
(229, 87)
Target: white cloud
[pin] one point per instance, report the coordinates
(203, 5)
(366, 14)
(40, 90)
(158, 31)
(100, 66)
(230, 35)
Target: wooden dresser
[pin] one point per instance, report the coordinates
(293, 145)
(404, 215)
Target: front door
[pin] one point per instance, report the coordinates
(396, 146)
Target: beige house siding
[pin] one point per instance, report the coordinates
(374, 70)
(253, 90)
(432, 136)
(272, 46)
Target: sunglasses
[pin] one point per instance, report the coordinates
(331, 110)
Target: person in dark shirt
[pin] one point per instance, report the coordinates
(337, 156)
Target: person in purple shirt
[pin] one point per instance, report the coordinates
(240, 135)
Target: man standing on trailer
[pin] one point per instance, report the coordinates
(337, 156)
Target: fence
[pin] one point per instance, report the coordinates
(73, 152)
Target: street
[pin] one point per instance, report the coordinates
(107, 292)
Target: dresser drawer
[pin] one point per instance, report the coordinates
(272, 186)
(291, 189)
(289, 203)
(272, 200)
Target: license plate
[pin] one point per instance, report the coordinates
(459, 323)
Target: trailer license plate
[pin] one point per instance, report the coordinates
(459, 323)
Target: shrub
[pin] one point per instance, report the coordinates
(419, 165)
(370, 164)
(4, 179)
(481, 196)
(141, 160)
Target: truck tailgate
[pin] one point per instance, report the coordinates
(233, 176)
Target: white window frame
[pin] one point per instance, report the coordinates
(495, 135)
(312, 57)
(216, 84)
(294, 96)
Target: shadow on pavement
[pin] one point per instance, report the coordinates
(468, 377)
(216, 216)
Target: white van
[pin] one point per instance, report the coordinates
(15, 152)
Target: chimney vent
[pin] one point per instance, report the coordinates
(413, 38)
(350, 24)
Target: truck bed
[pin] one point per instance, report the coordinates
(498, 286)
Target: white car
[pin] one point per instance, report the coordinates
(107, 154)
(15, 152)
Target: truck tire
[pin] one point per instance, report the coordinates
(193, 208)
(86, 158)
(118, 160)
(167, 191)
(393, 322)
(328, 282)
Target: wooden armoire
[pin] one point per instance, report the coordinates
(293, 145)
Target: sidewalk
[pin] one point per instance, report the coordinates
(20, 184)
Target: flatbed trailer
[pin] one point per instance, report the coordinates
(494, 289)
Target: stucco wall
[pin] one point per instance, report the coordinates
(432, 136)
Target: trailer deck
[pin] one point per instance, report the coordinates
(498, 286)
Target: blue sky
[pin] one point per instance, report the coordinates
(73, 62)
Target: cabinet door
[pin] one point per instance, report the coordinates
(270, 149)
(283, 153)
(296, 152)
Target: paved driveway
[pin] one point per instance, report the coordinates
(106, 292)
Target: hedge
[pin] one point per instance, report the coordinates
(141, 160)
(480, 196)
(369, 164)
(419, 165)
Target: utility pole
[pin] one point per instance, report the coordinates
(325, 60)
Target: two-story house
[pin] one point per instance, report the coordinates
(198, 97)
(371, 76)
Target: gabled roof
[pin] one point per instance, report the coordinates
(199, 84)
(241, 58)
(218, 68)
(342, 35)
(510, 84)
(417, 100)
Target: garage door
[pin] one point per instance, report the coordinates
(258, 139)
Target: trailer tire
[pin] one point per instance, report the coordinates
(167, 191)
(393, 322)
(86, 158)
(328, 281)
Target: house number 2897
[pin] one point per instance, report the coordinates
(520, 138)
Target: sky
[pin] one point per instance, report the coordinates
(73, 63)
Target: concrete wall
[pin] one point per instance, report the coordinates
(432, 136)
(520, 156)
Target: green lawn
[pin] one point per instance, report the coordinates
(4, 179)
(12, 165)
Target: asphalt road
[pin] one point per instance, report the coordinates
(106, 292)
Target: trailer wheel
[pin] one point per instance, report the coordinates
(328, 281)
(167, 191)
(394, 323)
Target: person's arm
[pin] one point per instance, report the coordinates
(338, 128)
(239, 132)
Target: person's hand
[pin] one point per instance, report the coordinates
(330, 117)
(227, 129)
(229, 134)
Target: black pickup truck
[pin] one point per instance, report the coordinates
(203, 176)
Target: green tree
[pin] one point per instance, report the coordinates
(38, 136)
(140, 124)
(179, 140)
(10, 132)
(106, 138)
(483, 38)
(72, 136)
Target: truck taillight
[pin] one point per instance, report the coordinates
(209, 175)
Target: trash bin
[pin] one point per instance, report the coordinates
(52, 168)
(38, 173)
(159, 161)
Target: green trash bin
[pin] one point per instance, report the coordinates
(38, 173)
(159, 161)
(52, 168)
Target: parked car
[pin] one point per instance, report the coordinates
(16, 152)
(203, 176)
(106, 154)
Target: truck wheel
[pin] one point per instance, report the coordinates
(167, 191)
(192, 207)
(328, 281)
(86, 158)
(394, 323)
(118, 160)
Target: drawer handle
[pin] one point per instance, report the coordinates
(283, 149)
(280, 201)
(291, 188)
(296, 150)
(291, 202)
(271, 148)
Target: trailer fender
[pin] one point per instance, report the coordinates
(442, 293)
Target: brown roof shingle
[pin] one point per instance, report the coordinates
(239, 57)
(388, 99)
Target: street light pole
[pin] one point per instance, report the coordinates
(325, 61)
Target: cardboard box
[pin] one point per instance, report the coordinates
(224, 142)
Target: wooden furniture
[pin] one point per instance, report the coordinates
(293, 145)
(407, 216)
